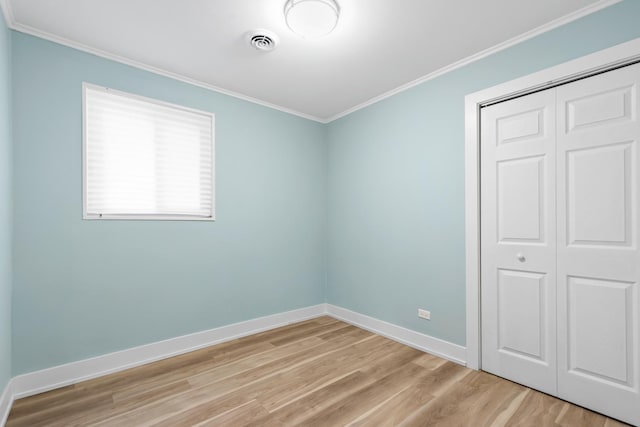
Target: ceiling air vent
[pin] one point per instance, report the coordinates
(263, 40)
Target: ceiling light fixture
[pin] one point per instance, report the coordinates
(311, 18)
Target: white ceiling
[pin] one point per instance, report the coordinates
(378, 46)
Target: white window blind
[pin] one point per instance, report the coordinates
(145, 159)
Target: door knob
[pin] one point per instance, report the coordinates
(521, 257)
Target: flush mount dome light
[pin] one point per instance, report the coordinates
(311, 18)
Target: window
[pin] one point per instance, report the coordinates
(145, 159)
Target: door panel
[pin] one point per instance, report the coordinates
(597, 243)
(518, 240)
(612, 328)
(600, 188)
(522, 312)
(521, 126)
(598, 109)
(521, 199)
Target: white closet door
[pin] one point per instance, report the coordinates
(598, 243)
(518, 240)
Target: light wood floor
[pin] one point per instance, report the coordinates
(321, 372)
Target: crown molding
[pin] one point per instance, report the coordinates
(7, 11)
(155, 70)
(5, 5)
(602, 4)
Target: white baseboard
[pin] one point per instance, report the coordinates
(71, 373)
(6, 400)
(454, 352)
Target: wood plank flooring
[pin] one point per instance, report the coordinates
(321, 372)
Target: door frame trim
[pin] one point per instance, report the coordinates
(595, 63)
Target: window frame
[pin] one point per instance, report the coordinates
(143, 217)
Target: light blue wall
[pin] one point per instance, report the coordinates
(387, 239)
(396, 182)
(85, 288)
(5, 204)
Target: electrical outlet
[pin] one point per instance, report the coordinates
(425, 314)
